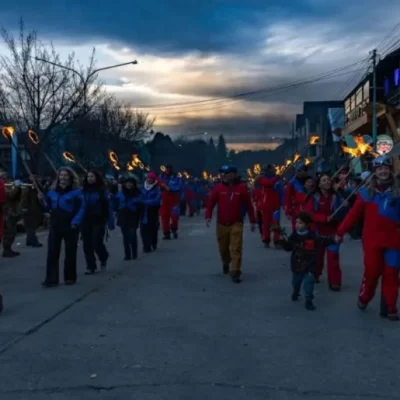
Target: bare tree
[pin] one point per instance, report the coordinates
(120, 121)
(38, 95)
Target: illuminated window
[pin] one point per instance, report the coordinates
(396, 76)
(366, 91)
(352, 102)
(347, 106)
(359, 97)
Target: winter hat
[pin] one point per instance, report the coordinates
(305, 217)
(152, 176)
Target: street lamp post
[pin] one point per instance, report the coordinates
(81, 77)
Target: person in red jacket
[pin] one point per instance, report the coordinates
(295, 194)
(2, 201)
(270, 203)
(321, 205)
(172, 194)
(233, 200)
(379, 205)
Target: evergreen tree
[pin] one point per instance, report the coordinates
(222, 150)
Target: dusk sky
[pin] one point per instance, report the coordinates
(191, 51)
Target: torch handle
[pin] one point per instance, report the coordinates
(49, 161)
(354, 191)
(341, 169)
(26, 166)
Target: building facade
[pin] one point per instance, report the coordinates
(359, 103)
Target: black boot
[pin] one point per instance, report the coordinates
(310, 305)
(90, 271)
(295, 296)
(10, 253)
(225, 269)
(36, 244)
(175, 234)
(167, 236)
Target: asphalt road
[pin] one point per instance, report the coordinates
(170, 326)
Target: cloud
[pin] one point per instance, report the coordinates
(200, 55)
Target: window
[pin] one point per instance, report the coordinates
(347, 106)
(359, 97)
(386, 86)
(396, 77)
(352, 102)
(366, 91)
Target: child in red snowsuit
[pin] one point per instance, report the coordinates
(379, 206)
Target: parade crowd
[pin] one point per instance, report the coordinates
(321, 208)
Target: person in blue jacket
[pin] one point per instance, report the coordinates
(149, 221)
(128, 205)
(66, 206)
(98, 216)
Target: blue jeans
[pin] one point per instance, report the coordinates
(129, 236)
(308, 281)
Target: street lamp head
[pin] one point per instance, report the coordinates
(134, 62)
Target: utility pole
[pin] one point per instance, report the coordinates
(374, 105)
(293, 139)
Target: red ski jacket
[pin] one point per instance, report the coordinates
(233, 201)
(381, 214)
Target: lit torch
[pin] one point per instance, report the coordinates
(112, 156)
(8, 132)
(205, 175)
(361, 149)
(163, 168)
(70, 158)
(313, 140)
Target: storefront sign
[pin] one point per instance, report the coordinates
(384, 144)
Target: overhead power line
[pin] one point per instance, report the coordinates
(321, 76)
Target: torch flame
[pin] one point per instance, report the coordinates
(162, 168)
(112, 155)
(307, 161)
(7, 131)
(33, 137)
(187, 176)
(313, 140)
(296, 157)
(360, 149)
(178, 174)
(257, 169)
(68, 156)
(288, 162)
(128, 166)
(205, 175)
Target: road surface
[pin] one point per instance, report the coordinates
(170, 326)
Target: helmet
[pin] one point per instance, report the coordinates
(382, 161)
(300, 166)
(226, 169)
